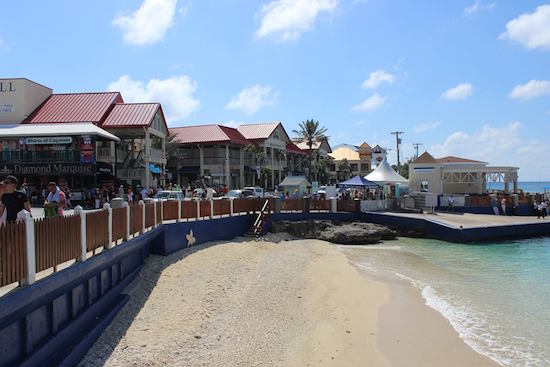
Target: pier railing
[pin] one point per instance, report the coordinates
(34, 248)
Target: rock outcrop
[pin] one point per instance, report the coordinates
(354, 233)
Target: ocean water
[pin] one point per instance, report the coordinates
(495, 295)
(531, 187)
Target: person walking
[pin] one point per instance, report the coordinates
(544, 209)
(503, 206)
(451, 201)
(13, 201)
(536, 209)
(55, 202)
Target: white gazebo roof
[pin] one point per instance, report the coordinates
(384, 174)
(65, 129)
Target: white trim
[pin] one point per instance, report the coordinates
(61, 129)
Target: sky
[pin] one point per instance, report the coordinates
(467, 78)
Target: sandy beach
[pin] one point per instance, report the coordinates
(292, 303)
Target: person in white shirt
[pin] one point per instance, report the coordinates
(544, 209)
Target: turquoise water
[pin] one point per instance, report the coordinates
(532, 187)
(496, 295)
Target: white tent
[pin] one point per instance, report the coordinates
(385, 175)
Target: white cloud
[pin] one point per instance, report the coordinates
(500, 147)
(530, 90)
(420, 128)
(149, 23)
(477, 6)
(175, 94)
(376, 78)
(250, 100)
(231, 123)
(532, 30)
(184, 9)
(461, 91)
(286, 20)
(370, 104)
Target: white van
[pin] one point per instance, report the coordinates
(257, 190)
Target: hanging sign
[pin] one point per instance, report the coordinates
(45, 140)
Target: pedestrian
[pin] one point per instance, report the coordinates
(544, 209)
(130, 194)
(536, 209)
(451, 201)
(68, 195)
(503, 206)
(13, 201)
(121, 191)
(55, 202)
(144, 193)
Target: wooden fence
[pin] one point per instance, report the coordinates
(292, 205)
(13, 253)
(149, 215)
(222, 207)
(320, 205)
(188, 209)
(205, 208)
(97, 229)
(347, 206)
(119, 224)
(241, 205)
(57, 240)
(136, 218)
(170, 210)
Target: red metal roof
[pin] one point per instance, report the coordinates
(453, 159)
(75, 107)
(209, 134)
(126, 115)
(291, 147)
(258, 131)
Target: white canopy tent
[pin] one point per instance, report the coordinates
(385, 175)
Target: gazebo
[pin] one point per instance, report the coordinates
(384, 175)
(359, 182)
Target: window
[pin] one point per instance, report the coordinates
(424, 186)
(353, 167)
(364, 167)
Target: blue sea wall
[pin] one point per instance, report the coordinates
(42, 323)
(466, 235)
(523, 210)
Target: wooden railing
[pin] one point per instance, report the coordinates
(119, 224)
(57, 240)
(13, 253)
(97, 229)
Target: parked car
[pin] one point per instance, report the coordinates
(166, 194)
(256, 190)
(234, 194)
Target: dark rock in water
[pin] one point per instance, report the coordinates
(354, 233)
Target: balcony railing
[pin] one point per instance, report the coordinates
(131, 173)
(104, 152)
(157, 154)
(45, 156)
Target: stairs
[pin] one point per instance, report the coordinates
(256, 229)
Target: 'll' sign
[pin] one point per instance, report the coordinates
(7, 87)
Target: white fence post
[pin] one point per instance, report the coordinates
(125, 205)
(333, 205)
(231, 207)
(161, 211)
(198, 209)
(179, 210)
(107, 207)
(155, 212)
(142, 204)
(31, 252)
(79, 211)
(211, 208)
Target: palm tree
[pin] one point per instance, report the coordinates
(310, 132)
(344, 169)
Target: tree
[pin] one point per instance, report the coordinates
(258, 155)
(309, 133)
(344, 169)
(321, 168)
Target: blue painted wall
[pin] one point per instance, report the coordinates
(524, 210)
(437, 231)
(40, 323)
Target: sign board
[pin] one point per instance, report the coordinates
(423, 169)
(47, 169)
(6, 107)
(45, 140)
(87, 149)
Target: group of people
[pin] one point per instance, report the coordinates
(13, 201)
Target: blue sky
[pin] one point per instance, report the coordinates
(468, 78)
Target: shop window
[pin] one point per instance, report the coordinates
(424, 186)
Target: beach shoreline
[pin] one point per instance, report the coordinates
(291, 303)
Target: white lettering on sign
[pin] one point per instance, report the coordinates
(6, 108)
(46, 140)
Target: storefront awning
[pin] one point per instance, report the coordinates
(66, 129)
(154, 169)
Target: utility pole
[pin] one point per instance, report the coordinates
(416, 145)
(397, 142)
